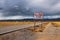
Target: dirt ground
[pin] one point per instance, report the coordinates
(49, 33)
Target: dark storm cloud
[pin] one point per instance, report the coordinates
(17, 7)
(19, 11)
(27, 7)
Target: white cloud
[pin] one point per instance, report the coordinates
(49, 5)
(28, 17)
(52, 17)
(56, 7)
(15, 17)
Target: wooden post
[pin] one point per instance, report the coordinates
(41, 26)
(34, 24)
(41, 16)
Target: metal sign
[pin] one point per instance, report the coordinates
(38, 15)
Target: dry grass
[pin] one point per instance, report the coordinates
(13, 23)
(56, 24)
(4, 24)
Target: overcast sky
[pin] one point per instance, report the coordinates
(19, 9)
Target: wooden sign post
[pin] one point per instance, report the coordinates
(38, 16)
(35, 16)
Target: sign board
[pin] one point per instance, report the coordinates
(38, 15)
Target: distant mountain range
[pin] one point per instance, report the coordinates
(58, 19)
